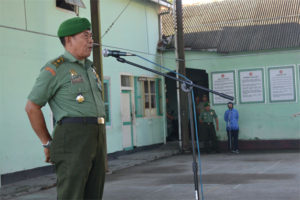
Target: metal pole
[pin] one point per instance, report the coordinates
(177, 86)
(195, 165)
(97, 58)
(183, 100)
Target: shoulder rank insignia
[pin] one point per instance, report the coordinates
(50, 70)
(57, 62)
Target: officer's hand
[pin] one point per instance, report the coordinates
(47, 155)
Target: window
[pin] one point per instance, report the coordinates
(148, 96)
(125, 81)
(66, 6)
(139, 110)
(106, 85)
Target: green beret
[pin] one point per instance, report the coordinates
(73, 26)
(206, 104)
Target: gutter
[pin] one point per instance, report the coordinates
(162, 3)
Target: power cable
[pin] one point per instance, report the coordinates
(113, 23)
(142, 52)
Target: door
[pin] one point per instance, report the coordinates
(127, 129)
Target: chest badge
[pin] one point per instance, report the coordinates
(73, 72)
(97, 78)
(96, 75)
(80, 98)
(75, 78)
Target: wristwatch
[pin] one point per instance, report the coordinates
(48, 144)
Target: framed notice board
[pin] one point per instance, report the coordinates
(223, 82)
(282, 83)
(251, 86)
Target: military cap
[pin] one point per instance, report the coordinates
(73, 26)
(206, 104)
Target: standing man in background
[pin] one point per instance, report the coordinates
(72, 88)
(231, 117)
(200, 105)
(172, 122)
(207, 118)
(200, 108)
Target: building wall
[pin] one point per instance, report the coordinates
(136, 29)
(28, 40)
(258, 121)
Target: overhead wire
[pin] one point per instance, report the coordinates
(113, 23)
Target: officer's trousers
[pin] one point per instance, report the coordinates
(77, 151)
(210, 140)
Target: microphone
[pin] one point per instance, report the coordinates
(114, 53)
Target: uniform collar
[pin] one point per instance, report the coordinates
(71, 58)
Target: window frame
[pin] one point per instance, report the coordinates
(140, 96)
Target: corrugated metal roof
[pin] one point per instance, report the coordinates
(239, 25)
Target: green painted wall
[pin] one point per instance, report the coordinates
(267, 121)
(27, 49)
(28, 40)
(136, 29)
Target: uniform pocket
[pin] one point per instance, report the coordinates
(77, 88)
(78, 84)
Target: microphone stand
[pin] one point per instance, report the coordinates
(186, 86)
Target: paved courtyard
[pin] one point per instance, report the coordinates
(247, 176)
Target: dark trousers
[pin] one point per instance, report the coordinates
(77, 151)
(210, 138)
(233, 140)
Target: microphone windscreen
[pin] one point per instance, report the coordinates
(105, 52)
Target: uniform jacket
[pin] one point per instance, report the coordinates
(231, 118)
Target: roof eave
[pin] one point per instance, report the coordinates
(162, 3)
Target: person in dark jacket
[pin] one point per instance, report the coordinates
(231, 118)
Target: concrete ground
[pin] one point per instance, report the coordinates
(246, 176)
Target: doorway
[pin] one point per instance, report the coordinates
(127, 118)
(199, 77)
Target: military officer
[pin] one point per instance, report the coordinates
(207, 118)
(72, 88)
(200, 108)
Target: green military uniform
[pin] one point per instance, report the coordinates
(61, 81)
(200, 109)
(73, 90)
(208, 129)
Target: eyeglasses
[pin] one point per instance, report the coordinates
(87, 35)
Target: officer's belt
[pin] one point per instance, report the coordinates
(82, 120)
(208, 123)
